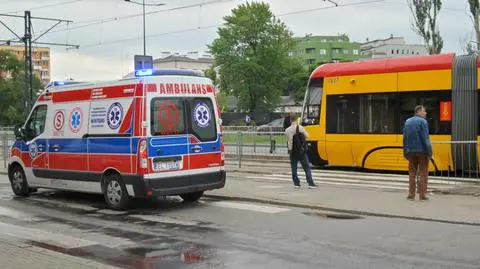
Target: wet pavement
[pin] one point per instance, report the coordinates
(168, 233)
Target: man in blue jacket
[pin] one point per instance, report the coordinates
(417, 149)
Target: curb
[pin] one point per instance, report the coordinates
(345, 211)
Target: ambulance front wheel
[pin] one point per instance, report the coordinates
(115, 192)
(18, 180)
(192, 197)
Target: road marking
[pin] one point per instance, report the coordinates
(250, 207)
(164, 219)
(355, 183)
(44, 236)
(64, 204)
(7, 212)
(110, 212)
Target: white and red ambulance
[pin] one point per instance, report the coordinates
(158, 133)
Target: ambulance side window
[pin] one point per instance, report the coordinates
(36, 123)
(167, 116)
(203, 119)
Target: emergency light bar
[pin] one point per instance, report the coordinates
(168, 72)
(62, 83)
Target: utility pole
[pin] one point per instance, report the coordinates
(27, 41)
(143, 5)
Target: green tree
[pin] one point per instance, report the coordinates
(425, 13)
(212, 75)
(12, 108)
(251, 52)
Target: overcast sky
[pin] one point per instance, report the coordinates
(106, 49)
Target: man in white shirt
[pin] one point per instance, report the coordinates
(298, 153)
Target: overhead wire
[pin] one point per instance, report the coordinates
(218, 25)
(46, 6)
(89, 23)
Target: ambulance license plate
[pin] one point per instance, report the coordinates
(167, 164)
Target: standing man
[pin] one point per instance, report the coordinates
(286, 121)
(247, 120)
(297, 150)
(417, 149)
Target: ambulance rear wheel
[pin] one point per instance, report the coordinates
(192, 197)
(115, 192)
(18, 180)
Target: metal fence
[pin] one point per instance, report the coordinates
(254, 143)
(7, 138)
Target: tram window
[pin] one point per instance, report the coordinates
(431, 100)
(377, 114)
(342, 114)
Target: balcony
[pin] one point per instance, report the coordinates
(45, 58)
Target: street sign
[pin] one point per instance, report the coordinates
(143, 62)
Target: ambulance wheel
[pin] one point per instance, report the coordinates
(192, 197)
(115, 192)
(18, 180)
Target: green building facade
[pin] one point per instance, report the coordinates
(325, 49)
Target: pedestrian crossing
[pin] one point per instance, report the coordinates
(353, 179)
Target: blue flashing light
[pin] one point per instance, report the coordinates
(143, 72)
(58, 83)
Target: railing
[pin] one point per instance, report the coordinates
(7, 138)
(254, 143)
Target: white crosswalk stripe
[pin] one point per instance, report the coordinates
(352, 179)
(250, 207)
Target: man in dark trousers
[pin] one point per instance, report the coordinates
(286, 121)
(296, 136)
(417, 149)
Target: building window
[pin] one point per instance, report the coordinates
(310, 50)
(345, 51)
(398, 51)
(336, 51)
(323, 51)
(335, 61)
(310, 61)
(355, 52)
(413, 52)
(291, 53)
(393, 51)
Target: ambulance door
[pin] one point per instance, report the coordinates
(204, 148)
(36, 139)
(168, 142)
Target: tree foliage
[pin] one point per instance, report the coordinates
(425, 13)
(251, 52)
(12, 109)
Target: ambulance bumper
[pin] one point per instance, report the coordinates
(180, 185)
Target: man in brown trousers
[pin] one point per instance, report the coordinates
(417, 149)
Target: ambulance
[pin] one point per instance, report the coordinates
(157, 133)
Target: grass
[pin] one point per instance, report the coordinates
(250, 139)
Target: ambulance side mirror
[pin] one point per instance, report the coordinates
(19, 132)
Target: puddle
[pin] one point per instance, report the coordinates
(132, 258)
(333, 215)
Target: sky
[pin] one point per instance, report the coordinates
(108, 37)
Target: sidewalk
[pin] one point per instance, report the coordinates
(441, 208)
(17, 255)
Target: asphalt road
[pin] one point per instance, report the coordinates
(167, 233)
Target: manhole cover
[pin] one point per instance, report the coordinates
(332, 215)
